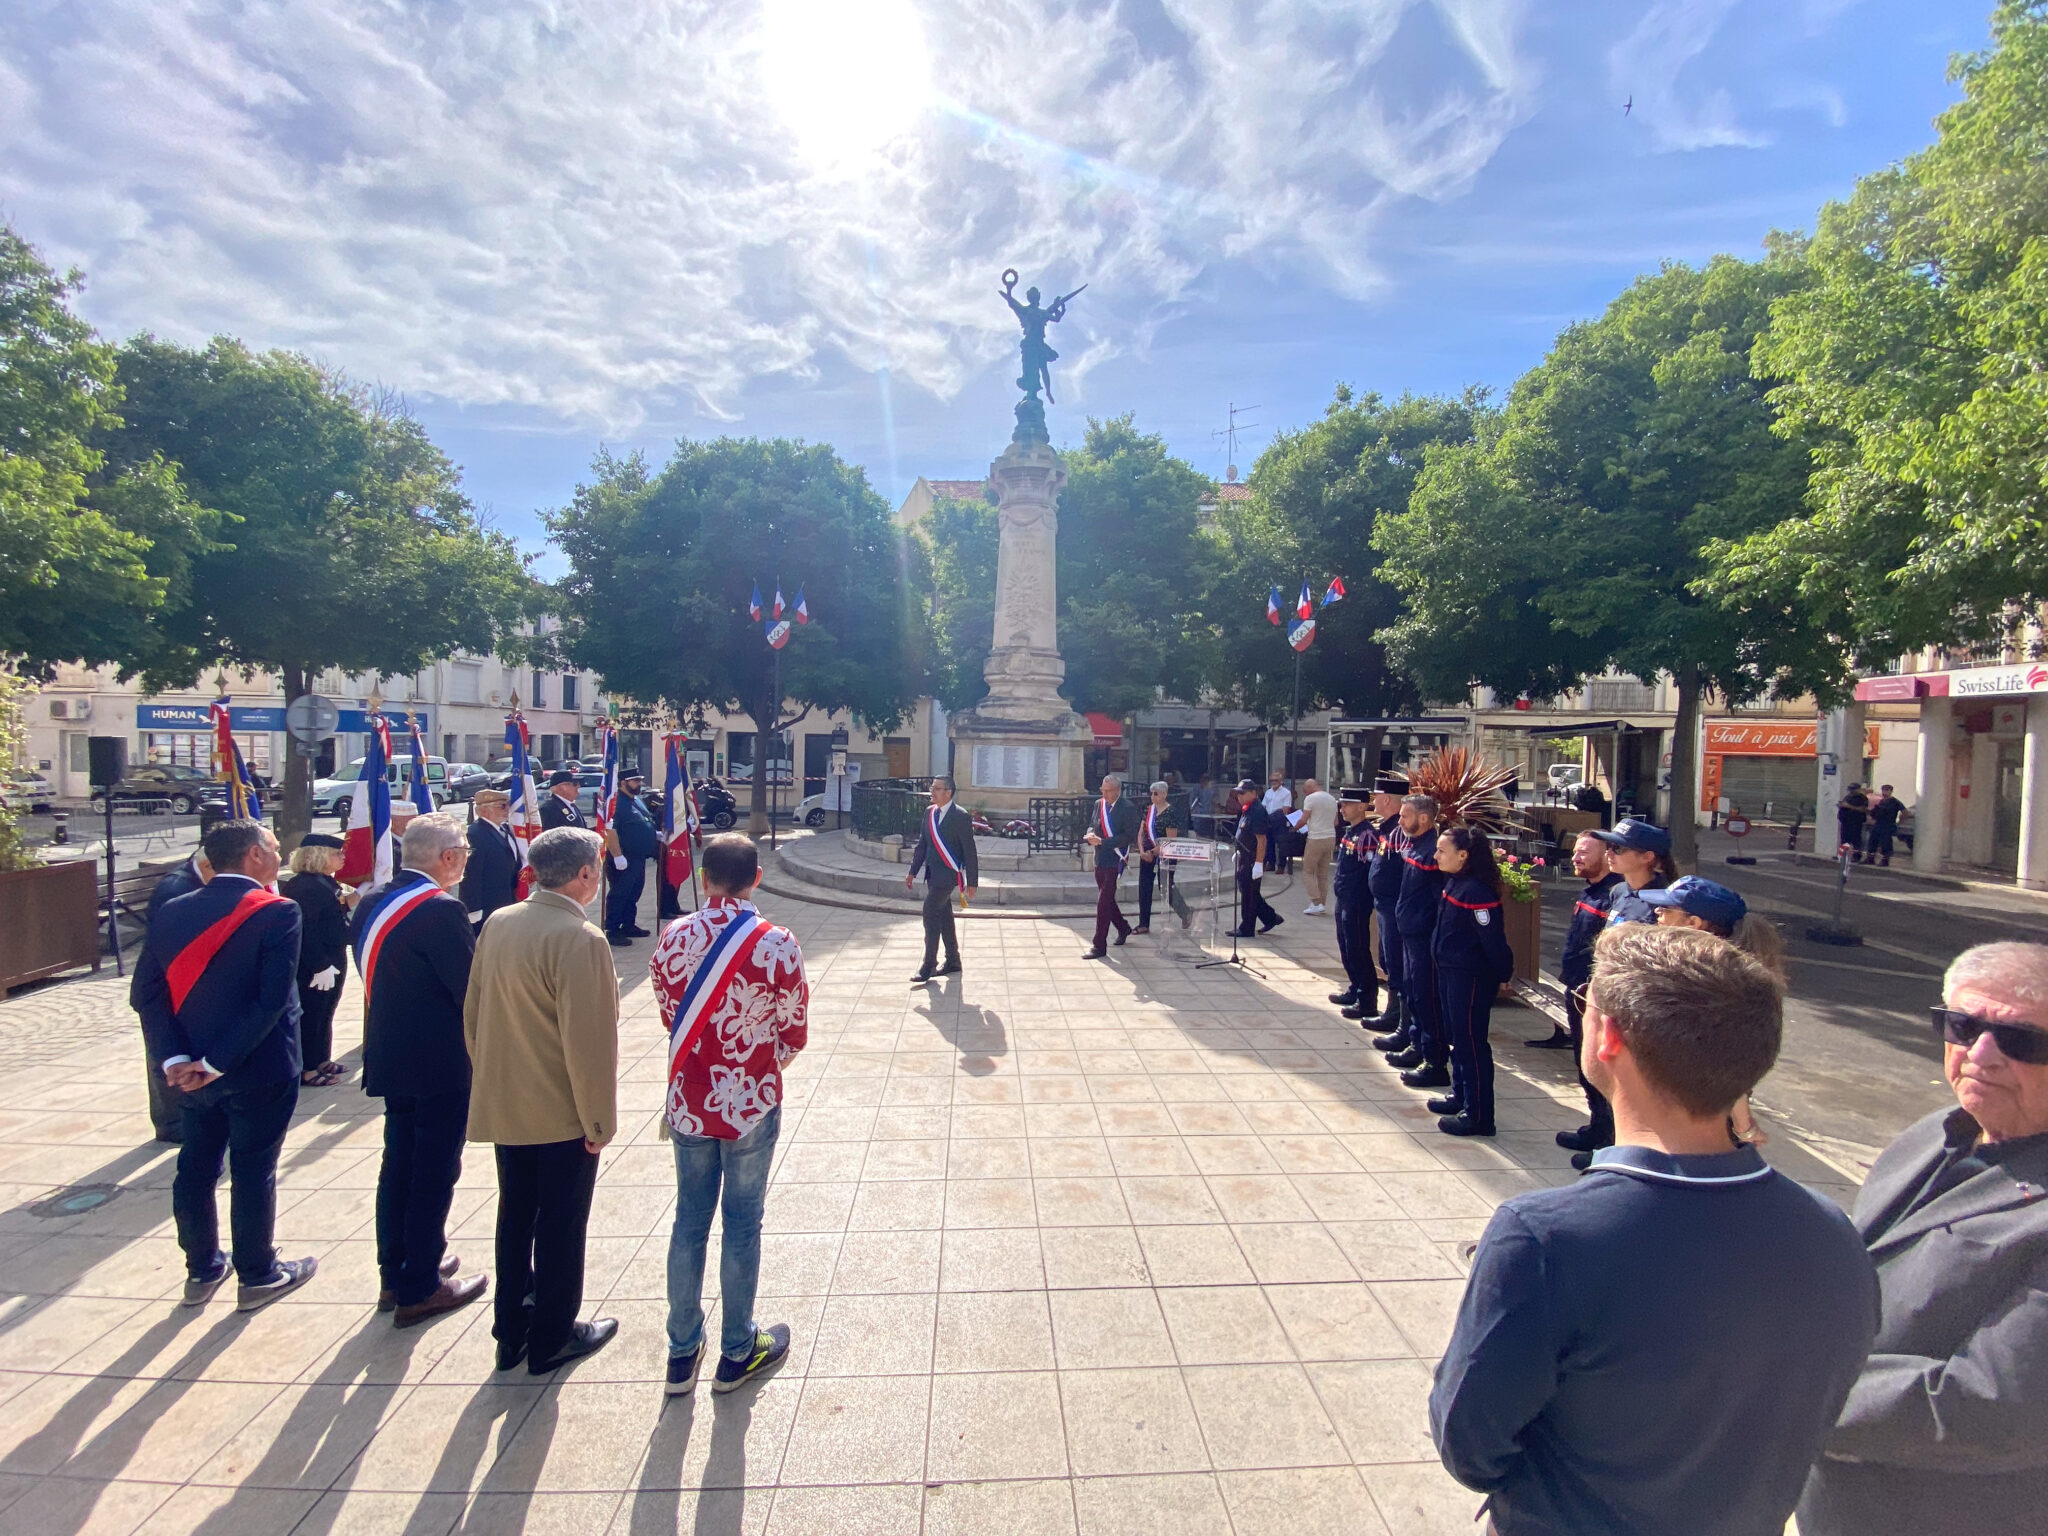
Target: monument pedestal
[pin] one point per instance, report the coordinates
(1023, 739)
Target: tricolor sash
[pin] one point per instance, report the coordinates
(708, 983)
(184, 971)
(1152, 826)
(370, 944)
(933, 817)
(1109, 835)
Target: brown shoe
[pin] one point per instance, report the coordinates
(387, 1298)
(453, 1295)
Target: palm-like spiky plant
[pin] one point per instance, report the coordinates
(1468, 789)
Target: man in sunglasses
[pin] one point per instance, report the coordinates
(1946, 1431)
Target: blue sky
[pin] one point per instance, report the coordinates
(558, 223)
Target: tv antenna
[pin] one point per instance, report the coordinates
(1229, 435)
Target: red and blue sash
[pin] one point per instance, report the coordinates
(1109, 833)
(933, 817)
(379, 928)
(708, 983)
(1152, 826)
(190, 963)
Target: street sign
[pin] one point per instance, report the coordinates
(1738, 826)
(311, 719)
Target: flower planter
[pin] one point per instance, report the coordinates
(1524, 923)
(49, 921)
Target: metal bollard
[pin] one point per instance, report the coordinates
(63, 832)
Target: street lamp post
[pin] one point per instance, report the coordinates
(840, 738)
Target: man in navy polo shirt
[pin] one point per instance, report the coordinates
(1662, 1348)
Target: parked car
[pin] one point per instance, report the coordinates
(1564, 776)
(331, 797)
(25, 789)
(464, 780)
(810, 811)
(184, 788)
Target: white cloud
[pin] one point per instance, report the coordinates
(1646, 65)
(582, 207)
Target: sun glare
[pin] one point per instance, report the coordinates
(846, 75)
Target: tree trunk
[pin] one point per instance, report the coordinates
(295, 806)
(1685, 733)
(764, 743)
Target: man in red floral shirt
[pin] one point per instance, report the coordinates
(734, 999)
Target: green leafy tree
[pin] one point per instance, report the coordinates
(86, 556)
(1317, 495)
(1914, 357)
(662, 566)
(1128, 543)
(961, 540)
(347, 541)
(1582, 533)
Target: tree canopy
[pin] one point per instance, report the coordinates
(662, 567)
(1913, 356)
(88, 555)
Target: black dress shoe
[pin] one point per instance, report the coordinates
(1357, 1013)
(1095, 952)
(1406, 1057)
(1397, 1041)
(924, 973)
(1269, 927)
(1345, 999)
(1462, 1125)
(1246, 933)
(1444, 1106)
(1427, 1077)
(584, 1339)
(1558, 1041)
(637, 932)
(1125, 934)
(950, 968)
(1582, 1161)
(619, 940)
(1581, 1140)
(1390, 1018)
(509, 1355)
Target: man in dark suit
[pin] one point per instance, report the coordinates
(492, 879)
(1252, 834)
(946, 854)
(218, 990)
(1946, 1431)
(638, 841)
(559, 807)
(1112, 825)
(413, 945)
(163, 1098)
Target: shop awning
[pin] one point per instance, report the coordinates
(1109, 731)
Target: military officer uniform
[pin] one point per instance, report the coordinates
(1426, 1062)
(1383, 880)
(560, 811)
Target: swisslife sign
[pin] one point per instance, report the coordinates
(1982, 682)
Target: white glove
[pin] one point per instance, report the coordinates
(324, 980)
(618, 861)
(1258, 870)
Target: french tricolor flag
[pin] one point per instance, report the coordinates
(525, 818)
(754, 604)
(1335, 592)
(801, 613)
(1303, 607)
(1273, 606)
(777, 611)
(367, 856)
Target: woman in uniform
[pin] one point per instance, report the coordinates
(1472, 958)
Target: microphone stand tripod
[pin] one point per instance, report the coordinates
(1234, 958)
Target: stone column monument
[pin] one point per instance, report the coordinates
(1023, 739)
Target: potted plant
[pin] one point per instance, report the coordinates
(1468, 789)
(1522, 914)
(49, 913)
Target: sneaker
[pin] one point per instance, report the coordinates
(199, 1292)
(771, 1348)
(682, 1373)
(1312, 909)
(289, 1275)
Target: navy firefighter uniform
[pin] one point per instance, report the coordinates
(1470, 950)
(1415, 916)
(638, 842)
(1575, 969)
(1383, 880)
(1354, 911)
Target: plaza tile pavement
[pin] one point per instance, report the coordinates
(1069, 1249)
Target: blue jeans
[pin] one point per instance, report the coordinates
(703, 1163)
(241, 1129)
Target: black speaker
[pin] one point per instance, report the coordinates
(109, 760)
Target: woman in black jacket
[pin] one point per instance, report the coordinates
(1472, 958)
(323, 954)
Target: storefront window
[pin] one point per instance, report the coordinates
(194, 749)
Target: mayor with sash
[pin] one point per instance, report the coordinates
(413, 945)
(734, 1000)
(946, 855)
(218, 991)
(1112, 827)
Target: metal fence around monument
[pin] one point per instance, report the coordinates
(890, 807)
(1059, 823)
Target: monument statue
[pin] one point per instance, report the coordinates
(1023, 738)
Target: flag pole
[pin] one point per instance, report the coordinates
(775, 724)
(1294, 729)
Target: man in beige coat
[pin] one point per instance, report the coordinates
(542, 1022)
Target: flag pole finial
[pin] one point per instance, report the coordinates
(515, 700)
